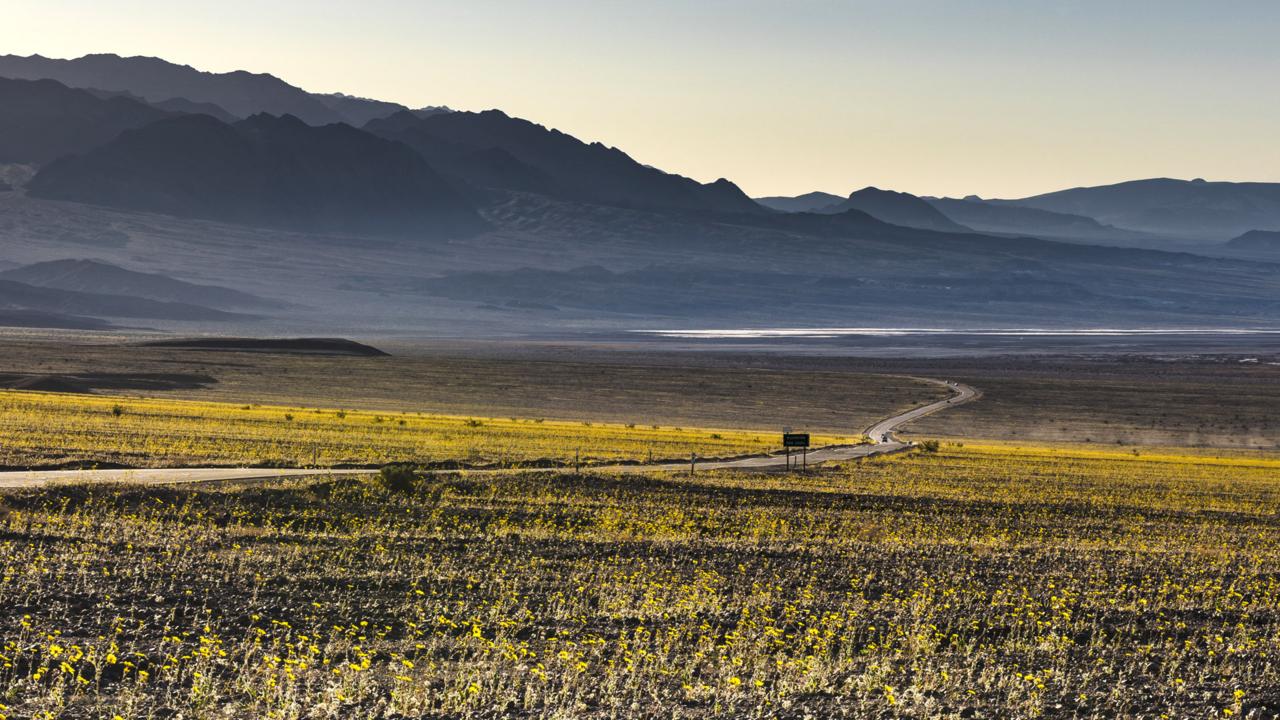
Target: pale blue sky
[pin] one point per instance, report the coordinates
(999, 98)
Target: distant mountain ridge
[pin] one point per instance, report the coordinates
(1007, 218)
(16, 296)
(177, 106)
(358, 111)
(492, 149)
(36, 319)
(41, 120)
(266, 171)
(895, 208)
(1154, 213)
(1178, 208)
(240, 93)
(809, 202)
(105, 279)
(1265, 240)
(898, 208)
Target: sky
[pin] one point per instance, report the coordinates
(1000, 98)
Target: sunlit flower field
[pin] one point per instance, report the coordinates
(992, 582)
(49, 429)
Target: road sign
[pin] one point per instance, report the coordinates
(795, 440)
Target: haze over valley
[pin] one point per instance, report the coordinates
(344, 214)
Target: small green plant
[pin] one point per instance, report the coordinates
(930, 446)
(117, 410)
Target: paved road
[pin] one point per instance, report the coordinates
(881, 434)
(882, 437)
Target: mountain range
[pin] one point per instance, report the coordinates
(948, 214)
(357, 213)
(266, 170)
(816, 201)
(91, 276)
(492, 149)
(898, 208)
(1154, 213)
(16, 296)
(77, 294)
(43, 120)
(1011, 219)
(1267, 241)
(1176, 208)
(238, 94)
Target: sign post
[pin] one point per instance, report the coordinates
(796, 440)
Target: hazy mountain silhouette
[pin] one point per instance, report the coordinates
(16, 296)
(36, 319)
(702, 268)
(265, 171)
(181, 88)
(97, 277)
(492, 149)
(1263, 240)
(298, 346)
(358, 111)
(42, 120)
(983, 216)
(809, 202)
(239, 93)
(1177, 208)
(177, 106)
(897, 208)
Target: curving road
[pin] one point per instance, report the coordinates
(882, 432)
(882, 436)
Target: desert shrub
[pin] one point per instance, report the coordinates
(399, 479)
(929, 446)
